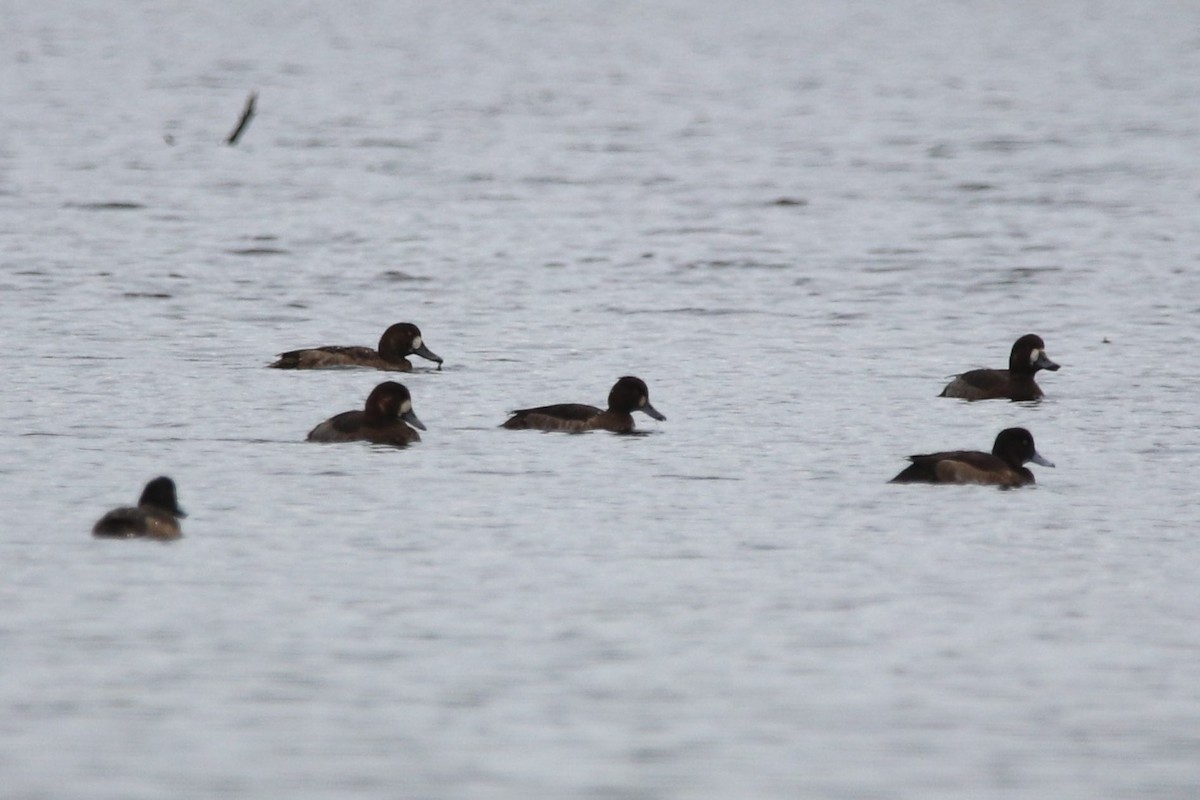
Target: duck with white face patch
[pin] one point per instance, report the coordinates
(384, 419)
(1015, 383)
(397, 343)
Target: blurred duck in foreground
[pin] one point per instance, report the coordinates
(156, 515)
(628, 394)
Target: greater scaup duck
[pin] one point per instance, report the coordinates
(1015, 383)
(156, 515)
(400, 340)
(382, 420)
(1004, 466)
(628, 394)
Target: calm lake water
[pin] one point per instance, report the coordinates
(793, 219)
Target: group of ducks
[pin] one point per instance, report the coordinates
(387, 418)
(1013, 448)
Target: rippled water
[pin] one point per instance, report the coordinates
(793, 220)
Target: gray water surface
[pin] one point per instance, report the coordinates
(793, 219)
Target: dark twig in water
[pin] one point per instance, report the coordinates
(247, 113)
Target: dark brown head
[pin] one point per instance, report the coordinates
(389, 401)
(1029, 355)
(1014, 446)
(630, 394)
(404, 339)
(160, 493)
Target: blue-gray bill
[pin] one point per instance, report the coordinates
(652, 412)
(1042, 362)
(426, 353)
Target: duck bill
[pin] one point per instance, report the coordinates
(1045, 363)
(651, 411)
(1038, 458)
(411, 419)
(427, 354)
(179, 512)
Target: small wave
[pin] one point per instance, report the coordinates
(682, 477)
(257, 251)
(113, 205)
(735, 263)
(400, 276)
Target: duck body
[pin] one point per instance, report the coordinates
(397, 342)
(334, 356)
(573, 417)
(628, 394)
(384, 419)
(156, 515)
(1027, 357)
(1004, 466)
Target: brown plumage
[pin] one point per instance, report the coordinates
(1004, 466)
(155, 517)
(1028, 355)
(400, 340)
(628, 394)
(381, 421)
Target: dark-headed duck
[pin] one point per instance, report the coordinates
(1015, 383)
(156, 515)
(400, 340)
(382, 420)
(1004, 466)
(628, 394)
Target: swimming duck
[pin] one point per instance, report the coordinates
(628, 394)
(382, 420)
(156, 515)
(1015, 383)
(1004, 466)
(400, 340)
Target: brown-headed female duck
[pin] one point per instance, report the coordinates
(155, 517)
(1004, 466)
(400, 340)
(628, 394)
(1015, 383)
(382, 420)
